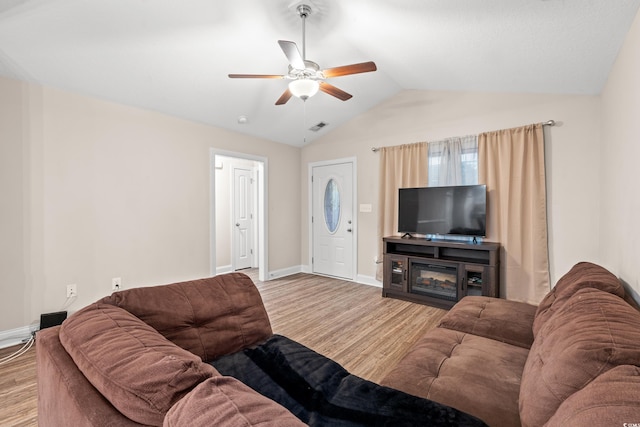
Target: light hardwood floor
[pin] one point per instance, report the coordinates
(18, 391)
(348, 322)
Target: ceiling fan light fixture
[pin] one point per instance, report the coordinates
(306, 77)
(304, 88)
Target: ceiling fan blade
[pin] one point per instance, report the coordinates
(292, 53)
(256, 76)
(334, 91)
(284, 97)
(345, 70)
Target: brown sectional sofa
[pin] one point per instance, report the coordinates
(574, 360)
(135, 358)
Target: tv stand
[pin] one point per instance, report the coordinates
(439, 272)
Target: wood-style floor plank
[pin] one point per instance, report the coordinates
(346, 321)
(18, 392)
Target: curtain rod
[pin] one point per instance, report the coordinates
(547, 123)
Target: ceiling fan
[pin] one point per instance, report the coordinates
(306, 76)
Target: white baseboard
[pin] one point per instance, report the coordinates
(360, 278)
(16, 336)
(368, 280)
(224, 269)
(276, 274)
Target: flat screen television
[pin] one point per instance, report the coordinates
(454, 210)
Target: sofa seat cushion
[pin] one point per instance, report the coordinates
(209, 317)
(141, 373)
(593, 332)
(582, 275)
(320, 392)
(501, 320)
(474, 374)
(225, 401)
(612, 399)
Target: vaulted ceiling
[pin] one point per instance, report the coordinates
(174, 56)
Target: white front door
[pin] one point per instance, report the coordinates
(242, 218)
(332, 220)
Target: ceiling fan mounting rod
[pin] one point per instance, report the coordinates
(304, 11)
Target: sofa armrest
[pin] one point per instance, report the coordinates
(65, 396)
(135, 368)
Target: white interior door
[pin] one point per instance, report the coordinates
(242, 218)
(332, 220)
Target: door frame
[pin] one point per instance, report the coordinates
(261, 208)
(354, 183)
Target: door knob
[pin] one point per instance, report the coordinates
(348, 230)
(237, 224)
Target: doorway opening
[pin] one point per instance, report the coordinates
(238, 213)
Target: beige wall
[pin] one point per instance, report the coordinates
(573, 164)
(13, 202)
(620, 154)
(97, 190)
(93, 190)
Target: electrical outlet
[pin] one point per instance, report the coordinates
(116, 283)
(72, 291)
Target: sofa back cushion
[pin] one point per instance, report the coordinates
(593, 332)
(612, 399)
(135, 368)
(209, 317)
(582, 275)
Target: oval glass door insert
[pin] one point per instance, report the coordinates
(332, 205)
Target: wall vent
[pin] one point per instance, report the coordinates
(318, 126)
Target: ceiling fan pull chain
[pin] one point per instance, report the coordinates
(304, 123)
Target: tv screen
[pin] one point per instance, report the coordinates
(454, 210)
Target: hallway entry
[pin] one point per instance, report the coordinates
(237, 213)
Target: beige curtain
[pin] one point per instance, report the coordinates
(401, 166)
(511, 164)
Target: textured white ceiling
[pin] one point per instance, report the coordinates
(173, 56)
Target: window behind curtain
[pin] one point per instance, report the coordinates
(453, 161)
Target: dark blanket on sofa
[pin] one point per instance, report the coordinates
(320, 392)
